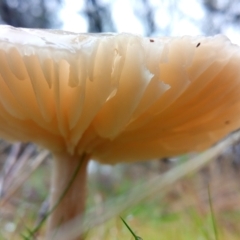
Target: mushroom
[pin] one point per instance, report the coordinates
(113, 97)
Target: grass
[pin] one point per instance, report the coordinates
(172, 209)
(185, 225)
(156, 219)
(160, 219)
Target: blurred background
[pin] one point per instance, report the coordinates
(144, 17)
(184, 207)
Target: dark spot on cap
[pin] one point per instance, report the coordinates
(198, 44)
(151, 40)
(227, 122)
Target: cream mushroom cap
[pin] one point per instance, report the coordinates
(118, 97)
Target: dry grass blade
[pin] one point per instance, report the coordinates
(23, 174)
(140, 192)
(15, 165)
(8, 166)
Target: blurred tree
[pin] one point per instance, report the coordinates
(145, 12)
(30, 13)
(98, 16)
(221, 14)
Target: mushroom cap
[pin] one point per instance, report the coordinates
(119, 97)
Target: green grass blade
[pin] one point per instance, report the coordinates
(134, 235)
(212, 215)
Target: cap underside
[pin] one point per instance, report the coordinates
(119, 97)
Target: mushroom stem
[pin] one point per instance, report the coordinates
(68, 189)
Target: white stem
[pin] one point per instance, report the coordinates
(68, 189)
